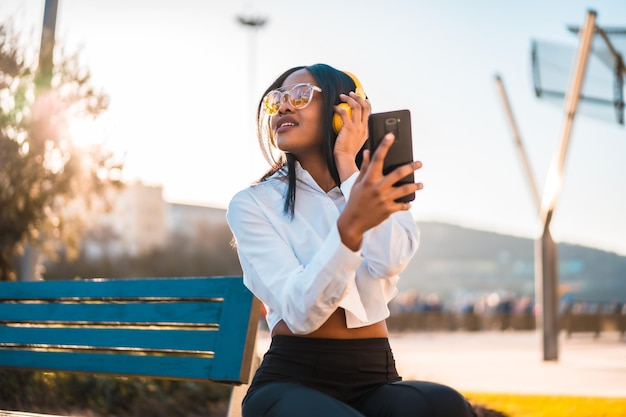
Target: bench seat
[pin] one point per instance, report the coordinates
(198, 328)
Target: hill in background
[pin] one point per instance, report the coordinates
(458, 263)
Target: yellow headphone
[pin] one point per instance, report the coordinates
(337, 122)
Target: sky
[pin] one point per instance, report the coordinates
(184, 78)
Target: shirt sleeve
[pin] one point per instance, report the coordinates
(388, 247)
(303, 295)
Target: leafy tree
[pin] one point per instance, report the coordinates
(47, 183)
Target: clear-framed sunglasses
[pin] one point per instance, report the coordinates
(299, 96)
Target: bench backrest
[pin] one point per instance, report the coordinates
(189, 328)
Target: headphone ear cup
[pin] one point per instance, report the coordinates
(337, 122)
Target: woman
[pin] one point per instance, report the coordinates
(321, 242)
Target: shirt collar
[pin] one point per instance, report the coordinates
(305, 180)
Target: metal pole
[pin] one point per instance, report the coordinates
(546, 284)
(254, 24)
(46, 50)
(30, 260)
(518, 142)
(554, 182)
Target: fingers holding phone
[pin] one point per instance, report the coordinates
(375, 196)
(374, 166)
(385, 184)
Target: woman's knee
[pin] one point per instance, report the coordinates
(414, 398)
(289, 399)
(442, 399)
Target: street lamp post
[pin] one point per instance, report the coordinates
(43, 79)
(253, 23)
(46, 50)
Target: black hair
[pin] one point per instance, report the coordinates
(332, 82)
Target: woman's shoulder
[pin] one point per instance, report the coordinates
(277, 180)
(261, 192)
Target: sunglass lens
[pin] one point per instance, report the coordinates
(300, 96)
(272, 102)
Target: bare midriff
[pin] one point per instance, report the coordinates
(335, 328)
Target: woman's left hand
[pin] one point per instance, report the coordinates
(352, 135)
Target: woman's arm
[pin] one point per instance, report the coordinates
(388, 247)
(371, 195)
(303, 295)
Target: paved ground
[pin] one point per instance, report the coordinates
(511, 362)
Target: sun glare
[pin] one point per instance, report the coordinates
(85, 131)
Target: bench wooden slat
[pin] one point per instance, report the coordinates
(108, 312)
(191, 340)
(149, 366)
(119, 288)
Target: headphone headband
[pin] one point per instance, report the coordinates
(359, 87)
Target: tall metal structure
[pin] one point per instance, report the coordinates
(546, 254)
(546, 272)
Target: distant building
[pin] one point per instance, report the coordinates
(195, 227)
(136, 224)
(141, 221)
(190, 220)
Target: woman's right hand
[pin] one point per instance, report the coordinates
(373, 195)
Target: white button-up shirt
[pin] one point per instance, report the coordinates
(300, 269)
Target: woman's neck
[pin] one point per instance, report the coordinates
(316, 167)
(321, 175)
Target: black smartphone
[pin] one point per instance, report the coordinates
(397, 122)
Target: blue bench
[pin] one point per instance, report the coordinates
(177, 328)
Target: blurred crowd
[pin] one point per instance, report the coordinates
(500, 310)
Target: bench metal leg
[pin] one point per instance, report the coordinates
(239, 391)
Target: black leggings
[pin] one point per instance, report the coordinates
(308, 377)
